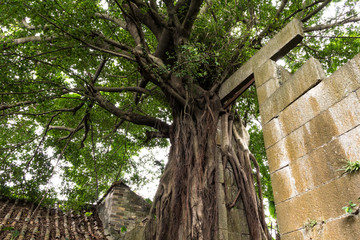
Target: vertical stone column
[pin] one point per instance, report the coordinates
(232, 222)
(311, 124)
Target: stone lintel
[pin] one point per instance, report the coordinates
(277, 47)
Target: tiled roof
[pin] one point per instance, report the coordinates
(22, 220)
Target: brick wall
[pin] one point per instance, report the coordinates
(311, 123)
(121, 208)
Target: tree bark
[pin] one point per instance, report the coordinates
(191, 201)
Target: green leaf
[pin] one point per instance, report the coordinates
(123, 229)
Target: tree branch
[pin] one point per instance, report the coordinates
(73, 110)
(71, 134)
(62, 128)
(122, 89)
(327, 26)
(106, 50)
(86, 43)
(281, 8)
(132, 117)
(302, 9)
(7, 106)
(151, 135)
(98, 71)
(117, 21)
(113, 43)
(23, 40)
(190, 17)
(17, 145)
(27, 26)
(318, 9)
(42, 140)
(147, 18)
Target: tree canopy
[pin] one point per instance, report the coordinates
(86, 84)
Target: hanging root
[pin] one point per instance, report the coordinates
(237, 157)
(184, 206)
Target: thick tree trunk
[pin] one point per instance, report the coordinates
(191, 194)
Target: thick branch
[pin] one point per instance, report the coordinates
(302, 9)
(27, 26)
(132, 117)
(318, 9)
(151, 135)
(122, 89)
(23, 40)
(281, 8)
(327, 26)
(190, 17)
(148, 20)
(7, 106)
(62, 128)
(117, 21)
(113, 43)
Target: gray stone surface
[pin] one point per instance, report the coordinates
(310, 74)
(276, 48)
(121, 208)
(311, 124)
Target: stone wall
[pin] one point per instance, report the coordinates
(121, 209)
(311, 124)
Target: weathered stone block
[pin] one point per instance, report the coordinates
(237, 221)
(319, 167)
(272, 132)
(136, 234)
(295, 144)
(318, 131)
(324, 202)
(277, 156)
(273, 82)
(283, 184)
(277, 47)
(351, 144)
(265, 72)
(297, 235)
(237, 236)
(298, 113)
(304, 79)
(346, 113)
(312, 103)
(344, 228)
(336, 87)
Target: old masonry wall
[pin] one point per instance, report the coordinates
(121, 210)
(311, 125)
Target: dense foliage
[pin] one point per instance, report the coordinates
(84, 84)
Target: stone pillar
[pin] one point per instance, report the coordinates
(232, 222)
(311, 124)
